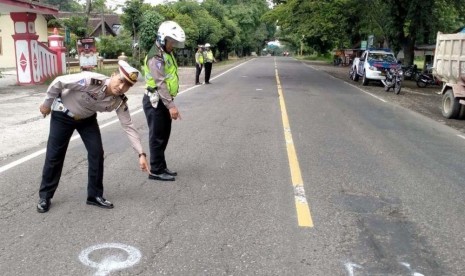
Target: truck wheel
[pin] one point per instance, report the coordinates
(364, 80)
(450, 105)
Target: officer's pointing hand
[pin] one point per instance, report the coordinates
(144, 166)
(175, 113)
(44, 110)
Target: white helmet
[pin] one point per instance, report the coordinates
(207, 45)
(172, 30)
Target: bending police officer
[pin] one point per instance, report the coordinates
(73, 101)
(161, 74)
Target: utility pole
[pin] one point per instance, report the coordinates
(103, 19)
(88, 8)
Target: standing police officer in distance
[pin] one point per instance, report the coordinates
(73, 101)
(161, 74)
(208, 59)
(198, 64)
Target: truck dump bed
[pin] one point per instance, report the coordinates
(449, 57)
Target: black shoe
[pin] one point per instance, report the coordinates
(172, 173)
(43, 205)
(99, 202)
(207, 82)
(197, 83)
(163, 177)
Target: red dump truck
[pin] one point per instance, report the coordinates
(449, 67)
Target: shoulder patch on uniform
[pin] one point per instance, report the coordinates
(95, 81)
(82, 82)
(123, 103)
(158, 64)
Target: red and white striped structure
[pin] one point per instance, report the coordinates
(35, 61)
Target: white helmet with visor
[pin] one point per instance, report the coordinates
(172, 30)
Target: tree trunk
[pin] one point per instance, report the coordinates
(409, 51)
(135, 40)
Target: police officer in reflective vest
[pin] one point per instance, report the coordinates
(198, 64)
(73, 101)
(208, 59)
(162, 84)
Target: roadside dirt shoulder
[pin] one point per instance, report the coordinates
(425, 101)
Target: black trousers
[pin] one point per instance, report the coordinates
(208, 71)
(198, 70)
(159, 123)
(61, 129)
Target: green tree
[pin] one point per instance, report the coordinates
(399, 24)
(199, 25)
(190, 28)
(151, 19)
(230, 38)
(131, 19)
(166, 11)
(76, 25)
(414, 21)
(112, 47)
(248, 16)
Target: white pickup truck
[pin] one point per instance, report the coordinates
(372, 65)
(449, 67)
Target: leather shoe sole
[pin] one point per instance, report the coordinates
(162, 177)
(99, 202)
(43, 205)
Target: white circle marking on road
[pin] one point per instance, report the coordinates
(110, 263)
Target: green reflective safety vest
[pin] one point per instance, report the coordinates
(209, 55)
(171, 74)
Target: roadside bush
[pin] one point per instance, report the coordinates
(111, 47)
(327, 57)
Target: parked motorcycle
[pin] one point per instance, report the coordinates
(393, 79)
(426, 79)
(411, 72)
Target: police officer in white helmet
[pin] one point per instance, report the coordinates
(208, 59)
(162, 85)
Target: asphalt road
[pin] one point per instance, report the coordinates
(384, 187)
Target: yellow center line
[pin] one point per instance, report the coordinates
(303, 210)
